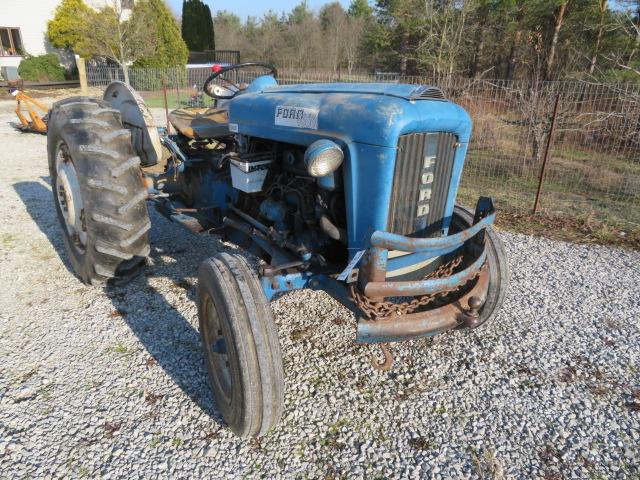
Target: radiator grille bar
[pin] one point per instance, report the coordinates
(422, 176)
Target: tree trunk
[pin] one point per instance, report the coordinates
(479, 51)
(511, 65)
(404, 43)
(479, 41)
(123, 59)
(637, 43)
(538, 140)
(554, 41)
(602, 4)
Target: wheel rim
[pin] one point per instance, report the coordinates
(216, 350)
(69, 199)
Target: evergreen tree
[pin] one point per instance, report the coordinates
(197, 26)
(171, 50)
(360, 9)
(201, 25)
(209, 32)
(65, 29)
(189, 33)
(300, 13)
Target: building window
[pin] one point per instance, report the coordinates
(10, 42)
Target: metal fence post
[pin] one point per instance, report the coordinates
(166, 103)
(177, 80)
(547, 148)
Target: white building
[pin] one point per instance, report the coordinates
(23, 29)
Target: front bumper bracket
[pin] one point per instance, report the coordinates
(372, 281)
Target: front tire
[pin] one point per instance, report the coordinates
(240, 344)
(97, 190)
(496, 263)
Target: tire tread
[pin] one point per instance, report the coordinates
(111, 185)
(255, 339)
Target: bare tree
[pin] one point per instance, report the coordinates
(353, 42)
(335, 25)
(119, 35)
(534, 101)
(602, 9)
(559, 20)
(630, 27)
(442, 35)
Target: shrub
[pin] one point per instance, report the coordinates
(41, 68)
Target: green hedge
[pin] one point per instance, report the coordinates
(41, 68)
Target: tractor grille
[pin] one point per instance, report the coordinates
(424, 163)
(432, 93)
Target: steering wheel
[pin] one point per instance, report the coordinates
(228, 89)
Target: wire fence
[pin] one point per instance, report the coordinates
(593, 166)
(231, 57)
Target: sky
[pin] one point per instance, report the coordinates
(244, 8)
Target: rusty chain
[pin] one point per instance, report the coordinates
(375, 310)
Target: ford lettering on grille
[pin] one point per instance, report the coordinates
(421, 183)
(426, 181)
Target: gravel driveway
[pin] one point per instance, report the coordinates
(110, 382)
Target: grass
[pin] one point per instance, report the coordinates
(121, 349)
(155, 99)
(587, 196)
(8, 240)
(422, 444)
(591, 192)
(45, 392)
(301, 334)
(487, 464)
(581, 228)
(330, 440)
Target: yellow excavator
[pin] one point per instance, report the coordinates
(38, 123)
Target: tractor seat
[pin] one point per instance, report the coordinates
(201, 123)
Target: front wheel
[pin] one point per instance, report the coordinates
(240, 344)
(496, 263)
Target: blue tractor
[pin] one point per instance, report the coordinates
(348, 188)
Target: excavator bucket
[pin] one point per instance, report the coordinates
(35, 123)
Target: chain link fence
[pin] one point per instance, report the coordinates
(593, 165)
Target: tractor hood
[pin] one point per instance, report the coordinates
(370, 113)
(408, 92)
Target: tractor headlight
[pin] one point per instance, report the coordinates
(322, 158)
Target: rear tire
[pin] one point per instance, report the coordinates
(496, 263)
(240, 343)
(97, 190)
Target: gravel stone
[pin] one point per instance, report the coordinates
(110, 382)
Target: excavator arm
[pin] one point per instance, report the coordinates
(38, 123)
